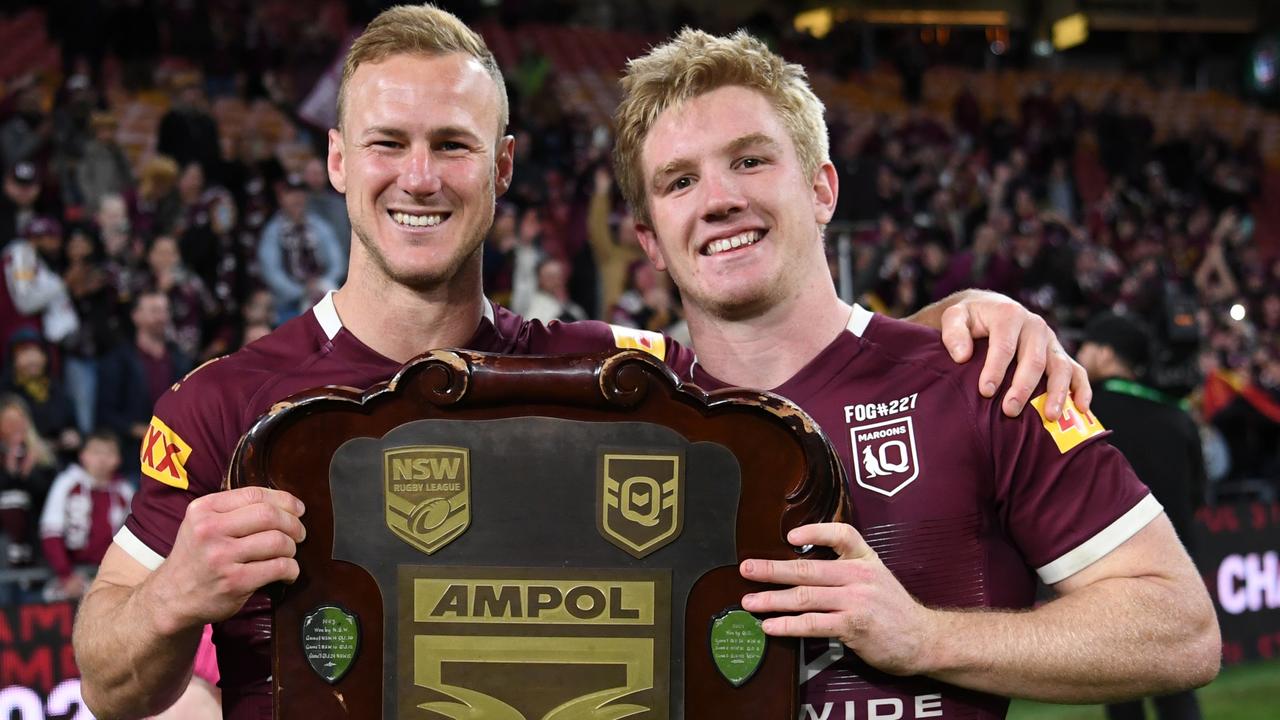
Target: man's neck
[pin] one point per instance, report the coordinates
(765, 351)
(400, 323)
(151, 345)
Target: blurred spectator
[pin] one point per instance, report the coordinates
(326, 203)
(26, 470)
(157, 209)
(87, 504)
(191, 305)
(524, 257)
(498, 248)
(984, 265)
(551, 300)
(122, 253)
(221, 252)
(71, 131)
(34, 296)
(188, 133)
(104, 169)
(27, 136)
(97, 308)
(613, 240)
(1158, 439)
(27, 375)
(648, 302)
(298, 255)
(134, 375)
(190, 188)
(18, 203)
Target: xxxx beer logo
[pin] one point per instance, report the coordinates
(639, 500)
(427, 494)
(164, 455)
(1071, 428)
(884, 455)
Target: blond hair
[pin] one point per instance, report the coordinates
(419, 30)
(36, 445)
(695, 63)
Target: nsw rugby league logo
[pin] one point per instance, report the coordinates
(427, 490)
(884, 455)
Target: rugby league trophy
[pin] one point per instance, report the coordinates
(524, 538)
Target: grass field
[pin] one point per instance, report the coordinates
(1245, 692)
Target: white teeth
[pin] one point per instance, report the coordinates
(417, 220)
(744, 239)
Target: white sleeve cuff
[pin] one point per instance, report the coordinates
(1108, 539)
(137, 549)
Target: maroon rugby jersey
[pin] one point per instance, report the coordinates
(963, 504)
(198, 423)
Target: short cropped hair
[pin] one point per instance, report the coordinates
(695, 63)
(420, 30)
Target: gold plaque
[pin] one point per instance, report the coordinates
(428, 494)
(640, 500)
(529, 644)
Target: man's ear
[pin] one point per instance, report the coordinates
(826, 189)
(503, 164)
(649, 242)
(337, 171)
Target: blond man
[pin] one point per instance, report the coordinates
(722, 153)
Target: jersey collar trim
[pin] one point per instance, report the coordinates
(327, 316)
(331, 324)
(858, 320)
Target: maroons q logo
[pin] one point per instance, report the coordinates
(428, 494)
(884, 455)
(639, 501)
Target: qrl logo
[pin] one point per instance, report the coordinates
(884, 455)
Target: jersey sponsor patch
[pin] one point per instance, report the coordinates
(164, 455)
(631, 338)
(1073, 428)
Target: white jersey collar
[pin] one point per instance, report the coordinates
(327, 315)
(858, 320)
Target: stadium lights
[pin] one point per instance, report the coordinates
(819, 21)
(1070, 31)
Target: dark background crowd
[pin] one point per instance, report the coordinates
(165, 201)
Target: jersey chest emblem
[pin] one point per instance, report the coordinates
(884, 455)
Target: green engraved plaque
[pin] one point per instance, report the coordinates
(330, 640)
(737, 645)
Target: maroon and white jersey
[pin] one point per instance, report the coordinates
(79, 518)
(966, 506)
(199, 421)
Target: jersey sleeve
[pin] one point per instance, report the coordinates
(184, 455)
(1066, 497)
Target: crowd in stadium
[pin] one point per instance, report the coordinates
(128, 261)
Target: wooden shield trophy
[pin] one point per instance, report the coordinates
(536, 538)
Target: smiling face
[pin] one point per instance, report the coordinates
(735, 219)
(421, 163)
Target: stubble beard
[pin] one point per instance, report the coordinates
(427, 281)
